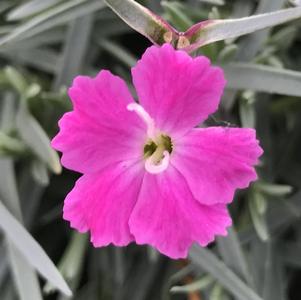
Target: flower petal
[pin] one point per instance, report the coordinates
(100, 130)
(102, 203)
(167, 216)
(216, 161)
(176, 90)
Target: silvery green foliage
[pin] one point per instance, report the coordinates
(44, 44)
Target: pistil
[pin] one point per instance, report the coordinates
(157, 150)
(139, 110)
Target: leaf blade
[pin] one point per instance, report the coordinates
(232, 254)
(36, 139)
(58, 15)
(31, 250)
(264, 79)
(207, 261)
(208, 32)
(29, 8)
(143, 20)
(28, 286)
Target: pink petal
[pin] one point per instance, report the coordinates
(216, 161)
(176, 90)
(102, 203)
(167, 216)
(100, 130)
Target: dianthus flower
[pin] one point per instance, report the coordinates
(149, 175)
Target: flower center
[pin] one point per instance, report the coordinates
(159, 146)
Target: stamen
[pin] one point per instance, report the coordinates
(151, 132)
(153, 168)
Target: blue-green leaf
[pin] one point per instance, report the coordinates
(31, 250)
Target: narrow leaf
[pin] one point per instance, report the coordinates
(193, 287)
(217, 293)
(42, 59)
(260, 202)
(8, 187)
(263, 79)
(36, 139)
(274, 189)
(76, 46)
(39, 172)
(3, 264)
(232, 254)
(31, 250)
(247, 113)
(10, 145)
(258, 219)
(277, 217)
(275, 274)
(143, 20)
(211, 31)
(29, 8)
(55, 16)
(213, 2)
(253, 43)
(7, 107)
(37, 42)
(27, 286)
(258, 256)
(16, 79)
(207, 261)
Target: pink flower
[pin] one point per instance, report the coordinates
(149, 175)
